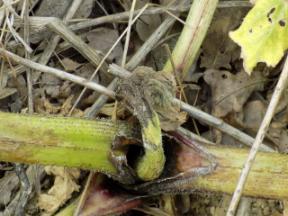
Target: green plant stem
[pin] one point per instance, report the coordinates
(58, 141)
(86, 144)
(267, 178)
(192, 36)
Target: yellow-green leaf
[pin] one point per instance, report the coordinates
(263, 34)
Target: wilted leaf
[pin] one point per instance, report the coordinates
(69, 64)
(102, 39)
(146, 24)
(61, 191)
(219, 51)
(263, 35)
(141, 93)
(229, 91)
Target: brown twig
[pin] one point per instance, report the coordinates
(58, 73)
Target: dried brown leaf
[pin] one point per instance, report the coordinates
(69, 64)
(64, 185)
(146, 25)
(218, 49)
(229, 91)
(102, 39)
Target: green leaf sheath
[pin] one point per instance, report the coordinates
(59, 141)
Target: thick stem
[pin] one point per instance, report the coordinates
(267, 178)
(86, 144)
(192, 36)
(60, 141)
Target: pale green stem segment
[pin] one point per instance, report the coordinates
(151, 165)
(267, 178)
(86, 144)
(59, 141)
(192, 36)
(75, 142)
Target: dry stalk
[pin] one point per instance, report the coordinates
(59, 73)
(25, 12)
(127, 39)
